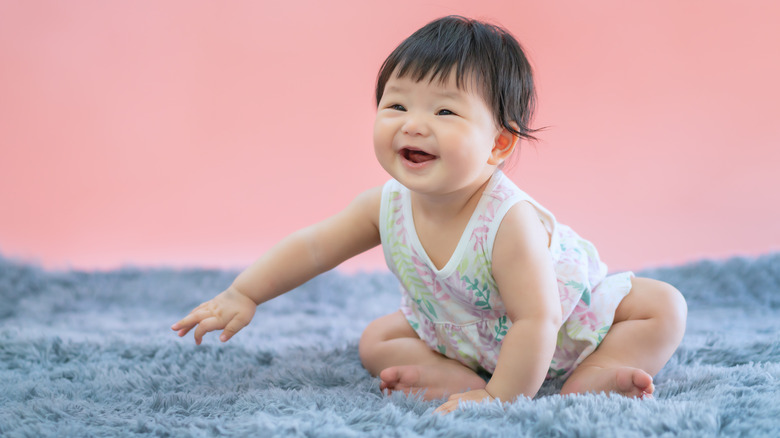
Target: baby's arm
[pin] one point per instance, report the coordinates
(526, 279)
(293, 261)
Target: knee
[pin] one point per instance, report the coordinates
(377, 332)
(671, 307)
(378, 339)
(657, 301)
(371, 336)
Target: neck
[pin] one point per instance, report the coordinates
(442, 208)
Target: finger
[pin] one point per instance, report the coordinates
(181, 329)
(232, 328)
(446, 408)
(193, 319)
(182, 333)
(205, 326)
(455, 396)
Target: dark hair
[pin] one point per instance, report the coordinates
(478, 51)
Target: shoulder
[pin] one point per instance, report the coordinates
(369, 198)
(522, 220)
(367, 204)
(521, 236)
(372, 195)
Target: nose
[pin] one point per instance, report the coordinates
(415, 124)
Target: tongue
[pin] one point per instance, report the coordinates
(419, 156)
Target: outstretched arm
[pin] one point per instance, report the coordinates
(293, 261)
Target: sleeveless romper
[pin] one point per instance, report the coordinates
(457, 310)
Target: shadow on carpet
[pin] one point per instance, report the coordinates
(91, 354)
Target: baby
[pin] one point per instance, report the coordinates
(491, 282)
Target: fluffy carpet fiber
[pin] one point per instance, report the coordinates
(91, 354)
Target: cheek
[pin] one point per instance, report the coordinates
(383, 134)
(465, 142)
(381, 141)
(377, 130)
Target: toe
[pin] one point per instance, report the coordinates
(633, 382)
(389, 377)
(643, 381)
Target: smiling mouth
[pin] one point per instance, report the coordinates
(416, 155)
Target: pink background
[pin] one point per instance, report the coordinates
(199, 133)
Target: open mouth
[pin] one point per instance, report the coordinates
(416, 155)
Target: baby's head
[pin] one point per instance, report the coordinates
(478, 53)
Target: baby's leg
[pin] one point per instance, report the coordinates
(390, 349)
(649, 326)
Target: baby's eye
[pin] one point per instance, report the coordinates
(397, 107)
(445, 112)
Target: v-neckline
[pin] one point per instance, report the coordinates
(455, 258)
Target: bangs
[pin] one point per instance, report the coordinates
(438, 66)
(436, 53)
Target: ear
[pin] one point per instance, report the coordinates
(503, 147)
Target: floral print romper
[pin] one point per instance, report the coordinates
(457, 310)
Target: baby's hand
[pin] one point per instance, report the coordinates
(231, 310)
(452, 403)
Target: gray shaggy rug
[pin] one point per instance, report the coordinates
(91, 354)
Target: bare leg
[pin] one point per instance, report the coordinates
(649, 326)
(390, 349)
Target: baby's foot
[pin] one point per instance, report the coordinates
(627, 381)
(430, 381)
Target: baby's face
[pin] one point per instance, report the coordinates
(434, 137)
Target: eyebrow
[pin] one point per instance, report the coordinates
(394, 89)
(454, 95)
